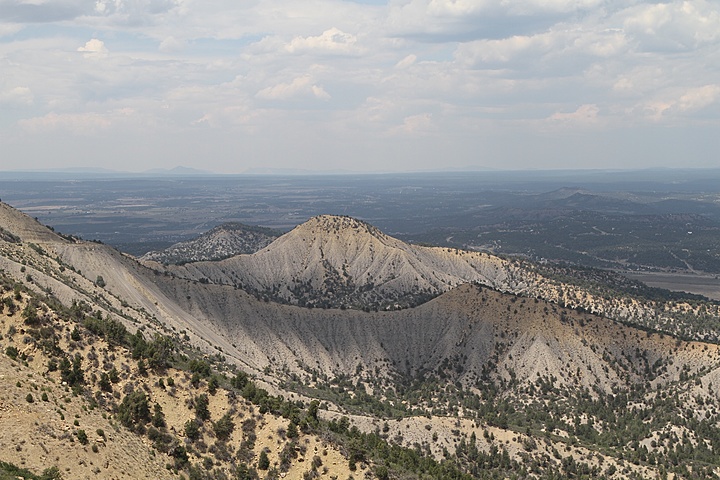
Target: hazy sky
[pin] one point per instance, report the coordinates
(227, 85)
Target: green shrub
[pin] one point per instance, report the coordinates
(201, 407)
(263, 461)
(82, 437)
(224, 427)
(192, 430)
(134, 410)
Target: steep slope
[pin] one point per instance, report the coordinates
(341, 262)
(336, 261)
(586, 392)
(76, 405)
(16, 227)
(223, 241)
(487, 329)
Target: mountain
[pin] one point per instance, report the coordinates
(223, 241)
(82, 397)
(178, 170)
(333, 261)
(501, 369)
(341, 262)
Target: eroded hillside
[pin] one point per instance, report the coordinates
(84, 398)
(498, 383)
(341, 262)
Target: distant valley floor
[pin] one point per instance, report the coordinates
(707, 285)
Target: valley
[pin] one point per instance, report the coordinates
(663, 221)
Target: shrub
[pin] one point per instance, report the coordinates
(381, 472)
(192, 430)
(201, 407)
(224, 427)
(212, 385)
(292, 431)
(158, 419)
(263, 461)
(134, 409)
(11, 352)
(104, 382)
(82, 437)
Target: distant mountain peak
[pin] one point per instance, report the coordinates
(223, 241)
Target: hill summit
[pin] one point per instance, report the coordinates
(335, 261)
(223, 241)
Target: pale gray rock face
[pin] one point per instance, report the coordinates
(332, 261)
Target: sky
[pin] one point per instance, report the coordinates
(360, 86)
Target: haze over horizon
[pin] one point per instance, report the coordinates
(361, 86)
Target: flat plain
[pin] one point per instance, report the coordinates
(663, 224)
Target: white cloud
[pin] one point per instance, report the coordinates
(9, 29)
(672, 26)
(332, 41)
(475, 19)
(699, 97)
(413, 124)
(463, 8)
(94, 48)
(17, 96)
(561, 45)
(406, 62)
(639, 80)
(87, 123)
(172, 45)
(134, 12)
(453, 69)
(300, 87)
(585, 114)
(678, 103)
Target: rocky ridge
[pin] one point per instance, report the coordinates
(341, 262)
(223, 241)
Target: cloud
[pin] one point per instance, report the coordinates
(699, 97)
(86, 123)
(172, 45)
(413, 71)
(332, 41)
(678, 103)
(94, 48)
(569, 47)
(134, 12)
(585, 114)
(466, 20)
(639, 80)
(299, 87)
(673, 26)
(43, 11)
(413, 124)
(17, 96)
(9, 29)
(406, 62)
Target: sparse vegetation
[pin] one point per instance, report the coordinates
(513, 387)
